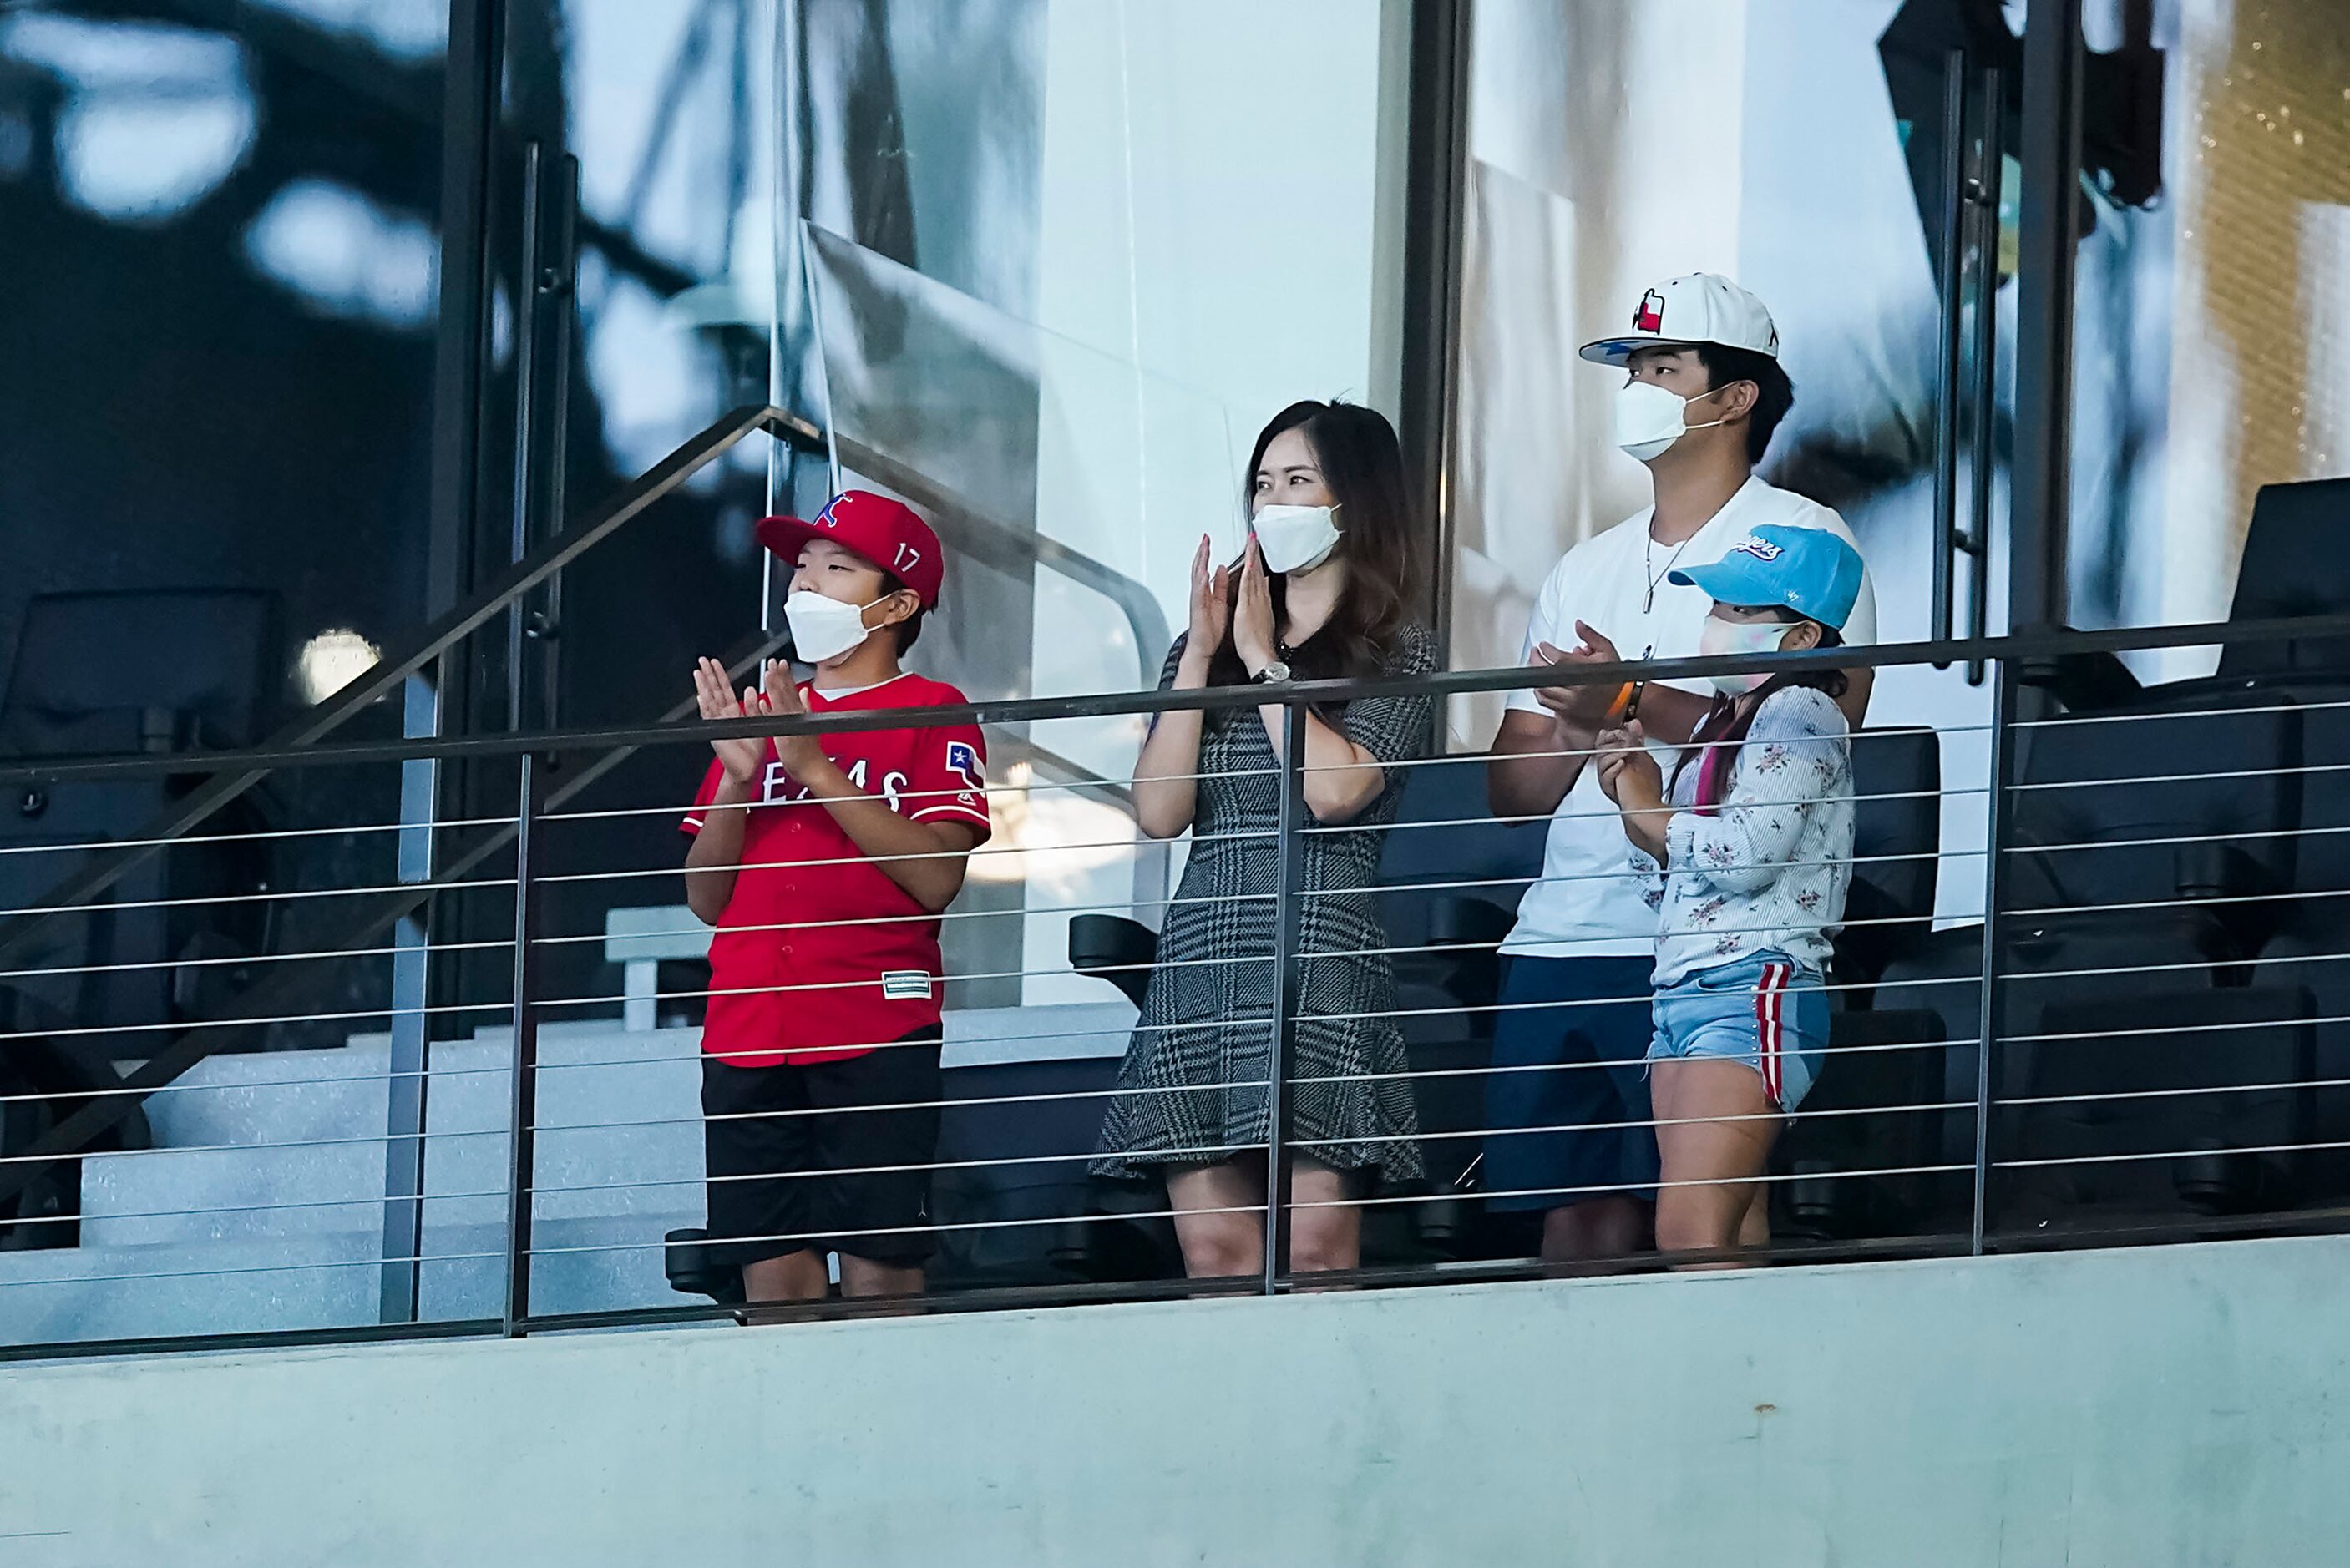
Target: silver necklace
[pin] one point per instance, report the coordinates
(1648, 568)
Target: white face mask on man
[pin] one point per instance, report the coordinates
(824, 629)
(1294, 538)
(1720, 637)
(1648, 419)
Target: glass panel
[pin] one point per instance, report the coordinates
(1588, 181)
(671, 108)
(1068, 461)
(1087, 168)
(1072, 489)
(2211, 338)
(1797, 146)
(210, 227)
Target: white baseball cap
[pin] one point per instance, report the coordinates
(1701, 307)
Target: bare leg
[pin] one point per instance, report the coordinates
(1325, 1226)
(1594, 1229)
(795, 1277)
(1219, 1219)
(1695, 1100)
(865, 1277)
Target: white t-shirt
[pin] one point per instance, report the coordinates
(1589, 901)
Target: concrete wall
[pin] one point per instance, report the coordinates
(2184, 1405)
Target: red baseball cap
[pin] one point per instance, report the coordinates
(889, 534)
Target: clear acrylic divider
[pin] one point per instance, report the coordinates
(1072, 489)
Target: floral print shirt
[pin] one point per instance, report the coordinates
(1767, 869)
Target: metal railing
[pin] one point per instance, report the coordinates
(232, 775)
(2109, 1056)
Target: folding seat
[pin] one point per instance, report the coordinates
(2310, 950)
(2149, 849)
(1014, 1141)
(2293, 565)
(2213, 1114)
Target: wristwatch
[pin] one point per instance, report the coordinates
(1272, 674)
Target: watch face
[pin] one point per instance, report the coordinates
(1276, 670)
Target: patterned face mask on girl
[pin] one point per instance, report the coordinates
(1724, 637)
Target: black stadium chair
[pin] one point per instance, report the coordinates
(2145, 862)
(2190, 973)
(686, 1260)
(2217, 1117)
(1005, 1224)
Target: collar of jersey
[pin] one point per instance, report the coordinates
(835, 699)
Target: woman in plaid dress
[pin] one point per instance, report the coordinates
(1318, 595)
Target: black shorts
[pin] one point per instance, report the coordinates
(774, 1137)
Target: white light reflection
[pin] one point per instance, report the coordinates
(154, 118)
(332, 660)
(346, 254)
(1049, 838)
(406, 29)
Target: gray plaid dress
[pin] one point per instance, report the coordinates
(1191, 1090)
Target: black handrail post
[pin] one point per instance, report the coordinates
(1983, 196)
(1998, 829)
(525, 426)
(1289, 876)
(1436, 185)
(1949, 337)
(2048, 245)
(523, 1122)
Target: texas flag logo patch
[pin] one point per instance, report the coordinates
(962, 760)
(1760, 549)
(1650, 316)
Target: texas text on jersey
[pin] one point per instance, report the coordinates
(820, 956)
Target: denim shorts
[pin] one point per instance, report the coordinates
(1766, 1011)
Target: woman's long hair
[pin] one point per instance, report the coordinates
(1362, 465)
(1724, 727)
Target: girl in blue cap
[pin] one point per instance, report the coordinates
(1747, 849)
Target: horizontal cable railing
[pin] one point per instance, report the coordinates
(1341, 1069)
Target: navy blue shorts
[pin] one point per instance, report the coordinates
(1570, 1050)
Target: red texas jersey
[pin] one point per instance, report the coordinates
(819, 955)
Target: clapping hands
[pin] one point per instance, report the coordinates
(744, 755)
(1627, 773)
(1581, 706)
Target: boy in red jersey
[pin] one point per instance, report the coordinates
(825, 863)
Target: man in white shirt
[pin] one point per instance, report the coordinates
(1568, 1099)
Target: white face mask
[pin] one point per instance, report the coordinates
(1294, 538)
(824, 629)
(1648, 419)
(1720, 637)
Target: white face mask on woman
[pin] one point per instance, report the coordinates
(1294, 538)
(1648, 419)
(1720, 637)
(824, 629)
